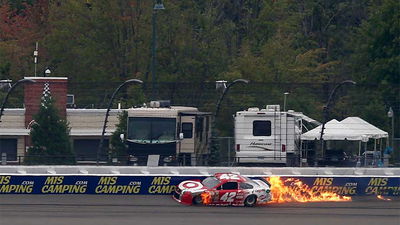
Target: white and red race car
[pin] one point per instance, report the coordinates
(223, 189)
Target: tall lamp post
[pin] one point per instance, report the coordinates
(9, 92)
(158, 5)
(326, 114)
(214, 144)
(226, 89)
(131, 81)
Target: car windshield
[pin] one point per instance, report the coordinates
(210, 182)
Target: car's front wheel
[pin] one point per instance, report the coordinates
(250, 201)
(197, 200)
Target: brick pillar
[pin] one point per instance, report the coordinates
(33, 93)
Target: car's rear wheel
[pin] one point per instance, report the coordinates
(250, 201)
(197, 200)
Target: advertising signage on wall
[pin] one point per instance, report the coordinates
(158, 185)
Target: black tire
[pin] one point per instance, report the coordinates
(250, 201)
(197, 200)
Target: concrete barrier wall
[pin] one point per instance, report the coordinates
(197, 171)
(162, 180)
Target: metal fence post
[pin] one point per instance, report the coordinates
(3, 158)
(229, 151)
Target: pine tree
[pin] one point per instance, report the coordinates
(50, 135)
(119, 148)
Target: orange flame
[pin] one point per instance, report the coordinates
(206, 198)
(383, 198)
(297, 191)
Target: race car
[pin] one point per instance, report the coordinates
(223, 189)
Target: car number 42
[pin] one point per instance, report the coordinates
(228, 197)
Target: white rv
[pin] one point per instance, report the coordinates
(178, 135)
(268, 136)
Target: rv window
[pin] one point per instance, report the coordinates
(187, 130)
(151, 129)
(261, 128)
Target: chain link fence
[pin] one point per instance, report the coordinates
(225, 157)
(362, 100)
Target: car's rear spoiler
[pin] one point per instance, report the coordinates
(265, 181)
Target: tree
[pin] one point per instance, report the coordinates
(22, 23)
(375, 61)
(50, 135)
(378, 47)
(118, 147)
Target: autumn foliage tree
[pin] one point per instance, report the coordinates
(301, 47)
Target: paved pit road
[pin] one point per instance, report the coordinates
(143, 210)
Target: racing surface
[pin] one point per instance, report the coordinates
(143, 210)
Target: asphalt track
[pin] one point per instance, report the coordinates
(143, 210)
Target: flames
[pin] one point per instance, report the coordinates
(206, 198)
(294, 190)
(383, 198)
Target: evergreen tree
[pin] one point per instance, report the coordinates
(50, 135)
(118, 147)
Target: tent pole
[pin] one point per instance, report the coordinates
(380, 149)
(374, 158)
(358, 164)
(365, 154)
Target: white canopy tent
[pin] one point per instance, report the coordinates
(334, 130)
(356, 124)
(369, 131)
(351, 129)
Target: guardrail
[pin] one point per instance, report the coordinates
(163, 180)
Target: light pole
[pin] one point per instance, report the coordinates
(390, 114)
(226, 89)
(9, 92)
(326, 115)
(284, 100)
(131, 81)
(158, 5)
(220, 84)
(47, 72)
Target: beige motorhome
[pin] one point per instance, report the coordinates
(178, 135)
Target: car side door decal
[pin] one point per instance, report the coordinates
(229, 196)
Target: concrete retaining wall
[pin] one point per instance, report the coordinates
(162, 180)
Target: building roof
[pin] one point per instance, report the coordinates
(14, 132)
(90, 132)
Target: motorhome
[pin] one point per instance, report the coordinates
(172, 135)
(268, 136)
